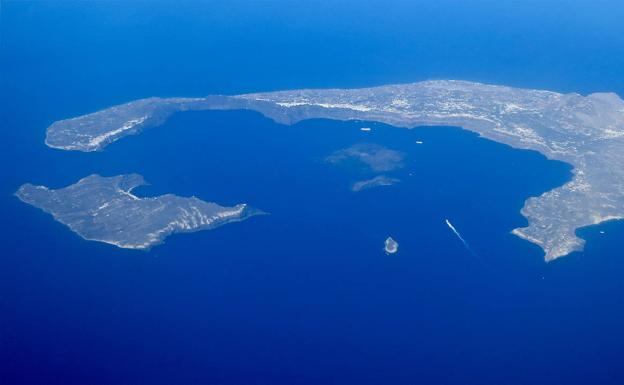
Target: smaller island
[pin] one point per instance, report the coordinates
(375, 157)
(380, 180)
(104, 209)
(391, 246)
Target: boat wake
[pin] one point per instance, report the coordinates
(466, 245)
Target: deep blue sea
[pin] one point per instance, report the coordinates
(305, 295)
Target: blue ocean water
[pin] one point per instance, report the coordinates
(305, 295)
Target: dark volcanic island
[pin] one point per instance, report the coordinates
(584, 131)
(104, 209)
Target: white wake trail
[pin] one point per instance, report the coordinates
(450, 225)
(466, 245)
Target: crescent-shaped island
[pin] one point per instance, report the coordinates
(584, 131)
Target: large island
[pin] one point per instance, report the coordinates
(584, 131)
(104, 209)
